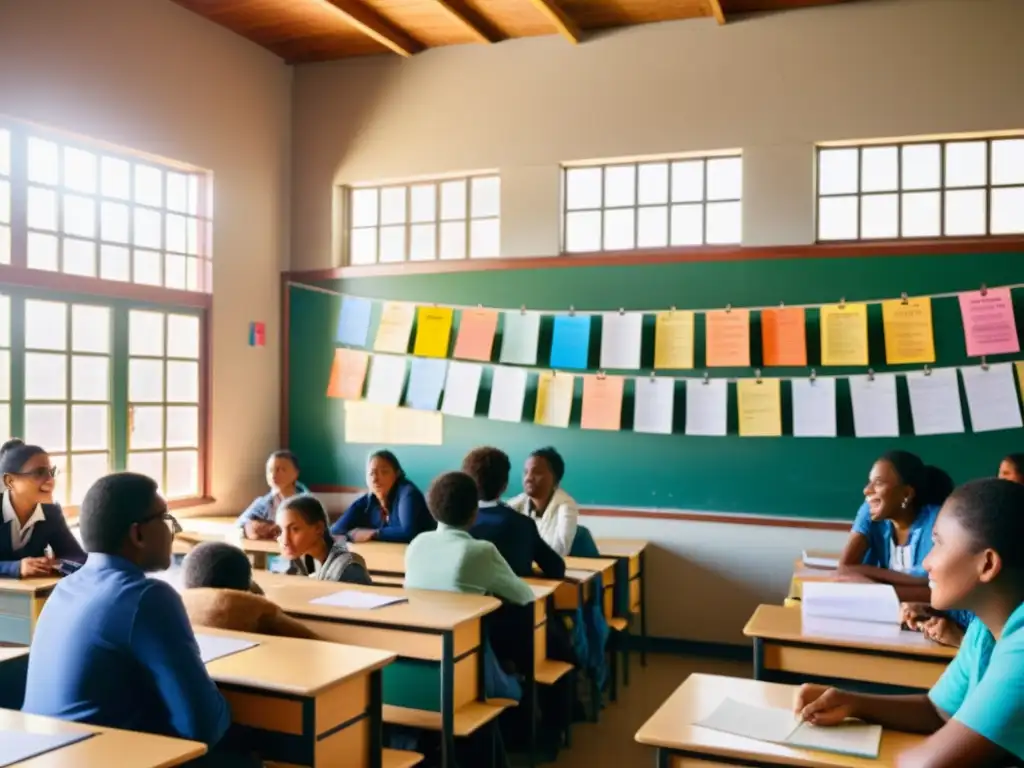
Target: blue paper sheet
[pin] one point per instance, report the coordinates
(213, 647)
(16, 746)
(570, 342)
(354, 321)
(426, 380)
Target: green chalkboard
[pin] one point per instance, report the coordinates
(787, 476)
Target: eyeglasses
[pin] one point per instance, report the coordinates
(39, 474)
(168, 518)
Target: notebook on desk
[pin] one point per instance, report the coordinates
(852, 602)
(816, 558)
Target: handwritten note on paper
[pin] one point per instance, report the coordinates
(992, 397)
(620, 340)
(874, 405)
(461, 389)
(372, 424)
(570, 341)
(784, 336)
(519, 336)
(935, 402)
(387, 379)
(348, 372)
(760, 407)
(426, 380)
(673, 340)
(727, 334)
(909, 337)
(844, 334)
(554, 399)
(653, 405)
(602, 402)
(476, 334)
(508, 393)
(706, 403)
(354, 321)
(395, 327)
(814, 407)
(989, 327)
(433, 330)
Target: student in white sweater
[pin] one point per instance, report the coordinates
(543, 500)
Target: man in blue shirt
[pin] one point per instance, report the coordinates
(115, 648)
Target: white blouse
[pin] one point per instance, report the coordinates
(557, 524)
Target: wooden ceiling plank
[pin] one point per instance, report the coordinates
(716, 10)
(464, 16)
(373, 25)
(565, 25)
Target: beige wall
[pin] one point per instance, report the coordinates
(148, 75)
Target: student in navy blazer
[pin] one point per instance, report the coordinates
(31, 521)
(394, 509)
(516, 536)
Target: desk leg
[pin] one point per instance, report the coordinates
(448, 699)
(530, 679)
(376, 719)
(758, 658)
(643, 608)
(662, 758)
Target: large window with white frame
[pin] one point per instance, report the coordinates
(446, 219)
(950, 188)
(652, 204)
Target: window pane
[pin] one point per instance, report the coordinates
(921, 166)
(193, 269)
(652, 183)
(5, 156)
(115, 178)
(363, 246)
(453, 199)
(90, 378)
(86, 469)
(879, 216)
(149, 185)
(724, 223)
(619, 186)
(5, 418)
(114, 222)
(687, 224)
(90, 328)
(80, 257)
(921, 214)
(965, 212)
(486, 197)
(618, 229)
(364, 207)
(837, 171)
(192, 237)
(183, 426)
(453, 240)
(5, 321)
(423, 242)
(174, 271)
(5, 377)
(5, 244)
(1008, 162)
(145, 381)
(1008, 211)
(145, 333)
(652, 226)
(485, 239)
(583, 231)
(147, 427)
(114, 264)
(147, 267)
(688, 182)
(79, 170)
(59, 483)
(183, 336)
(195, 182)
(5, 201)
(149, 464)
(42, 252)
(45, 325)
(725, 178)
(90, 425)
(582, 188)
(182, 474)
(392, 205)
(45, 376)
(423, 202)
(42, 208)
(879, 169)
(43, 161)
(177, 192)
(46, 425)
(966, 164)
(837, 218)
(392, 244)
(147, 228)
(175, 233)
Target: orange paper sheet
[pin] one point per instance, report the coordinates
(908, 331)
(348, 374)
(602, 402)
(476, 334)
(759, 406)
(728, 338)
(844, 334)
(784, 336)
(433, 330)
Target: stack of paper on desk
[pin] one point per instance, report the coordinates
(854, 602)
(814, 558)
(781, 726)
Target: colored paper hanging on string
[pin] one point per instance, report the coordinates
(844, 334)
(354, 321)
(620, 340)
(909, 336)
(602, 402)
(348, 372)
(707, 407)
(519, 336)
(727, 334)
(570, 341)
(508, 394)
(461, 389)
(1020, 378)
(875, 413)
(814, 407)
(989, 326)
(991, 397)
(673, 340)
(373, 424)
(554, 399)
(426, 381)
(476, 334)
(395, 327)
(433, 331)
(784, 336)
(654, 404)
(759, 407)
(935, 402)
(387, 380)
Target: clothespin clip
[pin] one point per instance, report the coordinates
(927, 371)
(601, 376)
(707, 380)
(572, 311)
(622, 311)
(522, 309)
(757, 375)
(652, 376)
(984, 290)
(672, 309)
(984, 363)
(782, 305)
(871, 374)
(842, 303)
(904, 299)
(728, 308)
(814, 375)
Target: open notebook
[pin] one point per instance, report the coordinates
(853, 602)
(781, 726)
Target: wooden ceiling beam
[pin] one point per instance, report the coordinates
(715, 6)
(566, 27)
(468, 18)
(373, 25)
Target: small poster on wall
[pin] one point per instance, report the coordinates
(257, 334)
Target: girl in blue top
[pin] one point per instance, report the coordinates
(974, 715)
(257, 522)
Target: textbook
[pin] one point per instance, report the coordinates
(853, 602)
(816, 558)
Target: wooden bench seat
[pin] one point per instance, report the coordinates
(550, 672)
(469, 718)
(399, 758)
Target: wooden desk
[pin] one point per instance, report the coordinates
(630, 592)
(109, 747)
(21, 601)
(604, 566)
(13, 671)
(784, 651)
(200, 529)
(680, 743)
(381, 557)
(437, 681)
(802, 574)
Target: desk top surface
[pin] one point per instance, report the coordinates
(28, 586)
(596, 564)
(621, 547)
(9, 652)
(672, 726)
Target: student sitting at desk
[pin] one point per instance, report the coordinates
(257, 522)
(544, 500)
(306, 541)
(219, 592)
(975, 712)
(393, 510)
(516, 538)
(31, 521)
(1012, 468)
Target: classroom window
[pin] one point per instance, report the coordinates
(652, 204)
(954, 188)
(425, 221)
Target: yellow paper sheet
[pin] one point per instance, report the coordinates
(602, 402)
(844, 334)
(1020, 379)
(760, 409)
(908, 331)
(373, 424)
(673, 340)
(727, 338)
(395, 326)
(433, 329)
(554, 399)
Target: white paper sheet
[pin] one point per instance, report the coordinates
(461, 389)
(853, 602)
(706, 403)
(620, 340)
(867, 630)
(935, 402)
(387, 379)
(849, 738)
(814, 407)
(653, 405)
(812, 558)
(508, 393)
(992, 397)
(519, 336)
(874, 406)
(213, 647)
(350, 598)
(19, 746)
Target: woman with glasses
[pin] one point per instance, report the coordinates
(32, 522)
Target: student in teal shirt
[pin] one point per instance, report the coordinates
(974, 715)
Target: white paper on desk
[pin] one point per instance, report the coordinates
(350, 598)
(849, 738)
(17, 746)
(992, 397)
(508, 393)
(847, 628)
(856, 602)
(620, 340)
(814, 407)
(706, 402)
(387, 378)
(874, 405)
(461, 389)
(814, 559)
(935, 402)
(213, 647)
(653, 405)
